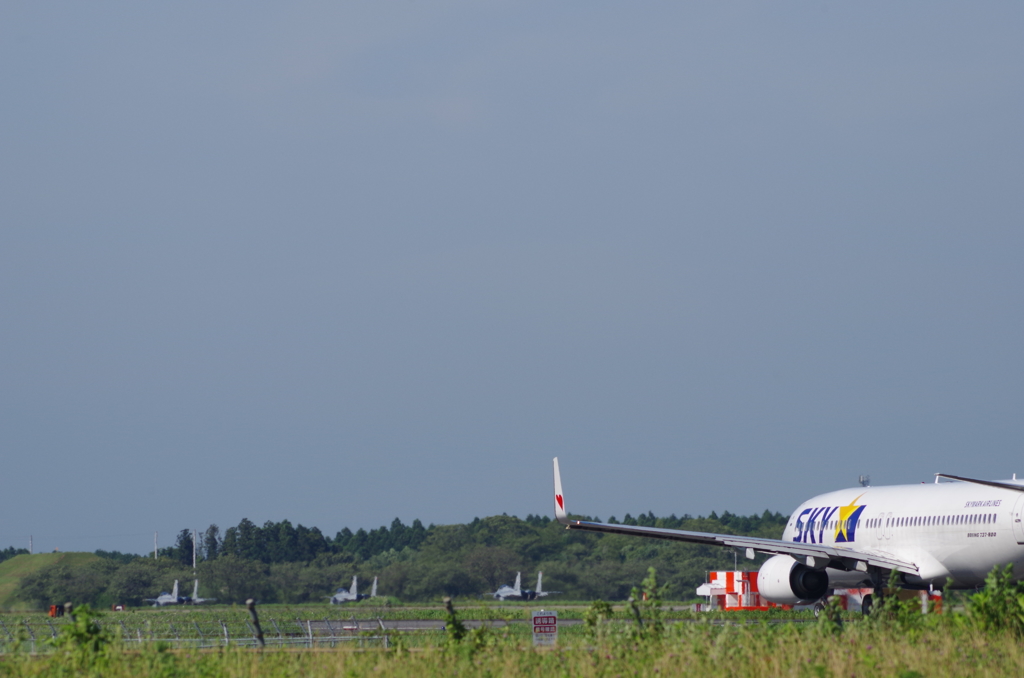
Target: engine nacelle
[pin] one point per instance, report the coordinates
(784, 581)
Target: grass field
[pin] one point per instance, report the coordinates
(861, 650)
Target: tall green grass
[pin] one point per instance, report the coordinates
(861, 650)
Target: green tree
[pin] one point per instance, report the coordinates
(493, 564)
(211, 542)
(236, 579)
(58, 583)
(183, 548)
(145, 578)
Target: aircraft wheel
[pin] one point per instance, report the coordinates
(865, 607)
(819, 607)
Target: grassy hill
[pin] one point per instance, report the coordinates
(13, 569)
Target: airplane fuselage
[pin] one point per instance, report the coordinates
(949, 530)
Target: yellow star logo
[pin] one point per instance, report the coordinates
(846, 526)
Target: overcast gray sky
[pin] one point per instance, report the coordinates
(342, 262)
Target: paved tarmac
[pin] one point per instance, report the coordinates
(324, 627)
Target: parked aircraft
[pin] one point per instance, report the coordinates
(171, 598)
(540, 593)
(510, 592)
(516, 592)
(195, 599)
(351, 594)
(927, 533)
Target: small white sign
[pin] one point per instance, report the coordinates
(545, 627)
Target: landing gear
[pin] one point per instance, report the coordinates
(876, 595)
(819, 607)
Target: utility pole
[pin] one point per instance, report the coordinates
(30, 544)
(154, 544)
(195, 535)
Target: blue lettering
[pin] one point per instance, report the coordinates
(798, 534)
(812, 526)
(824, 523)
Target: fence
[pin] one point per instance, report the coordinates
(195, 634)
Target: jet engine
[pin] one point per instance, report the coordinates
(784, 581)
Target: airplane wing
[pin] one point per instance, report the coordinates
(812, 554)
(990, 483)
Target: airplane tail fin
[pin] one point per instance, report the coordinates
(174, 591)
(540, 576)
(560, 513)
(519, 578)
(373, 590)
(195, 590)
(355, 584)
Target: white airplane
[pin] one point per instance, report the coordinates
(171, 598)
(352, 594)
(195, 599)
(928, 533)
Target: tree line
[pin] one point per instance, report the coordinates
(286, 563)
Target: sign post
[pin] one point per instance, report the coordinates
(545, 627)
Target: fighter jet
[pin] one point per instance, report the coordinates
(171, 598)
(352, 594)
(516, 592)
(510, 592)
(196, 600)
(539, 593)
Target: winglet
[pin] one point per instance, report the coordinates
(560, 513)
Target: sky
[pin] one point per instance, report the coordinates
(338, 263)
